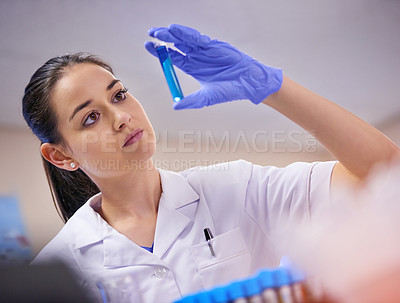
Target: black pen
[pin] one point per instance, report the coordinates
(209, 236)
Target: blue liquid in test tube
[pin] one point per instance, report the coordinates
(169, 73)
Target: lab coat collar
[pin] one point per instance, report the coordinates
(86, 221)
(176, 210)
(92, 229)
(176, 190)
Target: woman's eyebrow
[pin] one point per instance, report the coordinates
(79, 107)
(113, 82)
(83, 105)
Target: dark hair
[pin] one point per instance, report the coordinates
(70, 190)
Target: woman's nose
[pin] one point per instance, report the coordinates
(121, 119)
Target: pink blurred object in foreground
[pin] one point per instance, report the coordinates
(355, 251)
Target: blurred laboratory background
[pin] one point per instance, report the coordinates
(346, 51)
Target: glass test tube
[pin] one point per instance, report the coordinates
(300, 291)
(169, 72)
(267, 283)
(282, 279)
(252, 290)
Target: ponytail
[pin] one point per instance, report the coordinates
(69, 190)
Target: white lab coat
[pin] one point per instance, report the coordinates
(240, 202)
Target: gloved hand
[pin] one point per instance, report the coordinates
(225, 73)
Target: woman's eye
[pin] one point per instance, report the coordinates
(120, 95)
(91, 119)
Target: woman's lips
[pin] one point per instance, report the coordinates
(133, 137)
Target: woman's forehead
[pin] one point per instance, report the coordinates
(80, 83)
(86, 72)
(82, 78)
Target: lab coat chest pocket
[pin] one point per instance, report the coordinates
(231, 261)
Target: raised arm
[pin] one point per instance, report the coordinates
(356, 144)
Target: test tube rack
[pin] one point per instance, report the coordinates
(279, 285)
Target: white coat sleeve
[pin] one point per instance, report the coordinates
(279, 197)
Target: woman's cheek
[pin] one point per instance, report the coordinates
(89, 139)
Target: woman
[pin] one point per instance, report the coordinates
(142, 237)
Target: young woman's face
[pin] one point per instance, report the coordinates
(105, 128)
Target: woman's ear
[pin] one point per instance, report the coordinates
(55, 155)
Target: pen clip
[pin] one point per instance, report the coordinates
(209, 236)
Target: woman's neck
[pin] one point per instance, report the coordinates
(133, 195)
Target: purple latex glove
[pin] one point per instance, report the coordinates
(224, 72)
